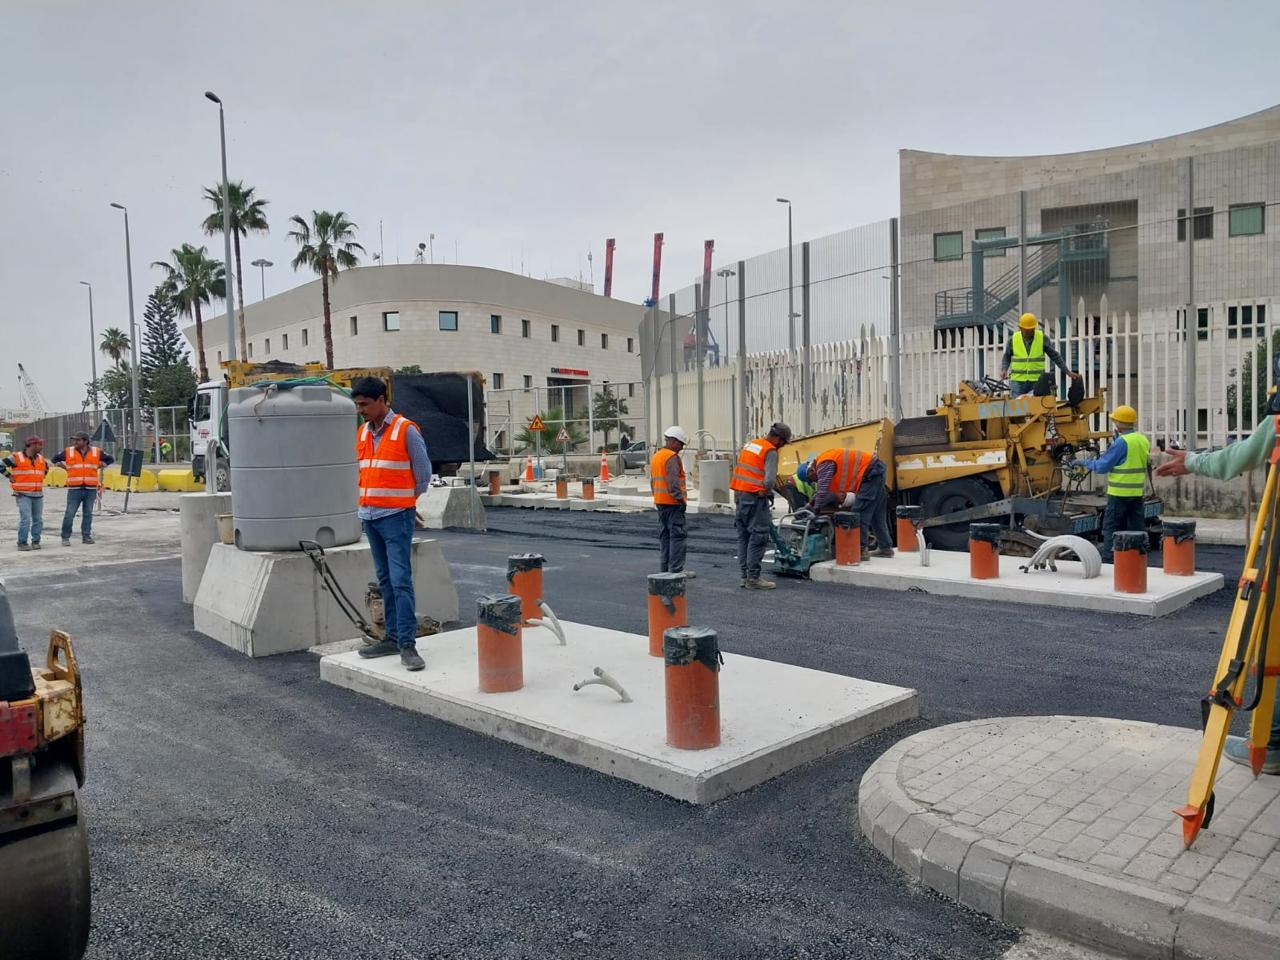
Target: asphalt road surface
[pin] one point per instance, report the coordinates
(244, 809)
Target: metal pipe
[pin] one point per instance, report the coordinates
(230, 298)
(742, 347)
(806, 372)
(93, 354)
(471, 454)
(604, 679)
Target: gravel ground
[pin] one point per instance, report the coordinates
(243, 808)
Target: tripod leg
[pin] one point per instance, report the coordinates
(1262, 722)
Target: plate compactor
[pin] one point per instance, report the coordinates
(799, 541)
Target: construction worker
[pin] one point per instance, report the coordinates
(1231, 461)
(671, 496)
(26, 472)
(1024, 355)
(754, 476)
(798, 488)
(1125, 464)
(395, 470)
(854, 479)
(83, 463)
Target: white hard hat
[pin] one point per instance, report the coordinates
(677, 433)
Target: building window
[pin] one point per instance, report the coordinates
(448, 319)
(1202, 420)
(306, 338)
(495, 323)
(631, 390)
(355, 327)
(528, 382)
(525, 328)
(219, 356)
(631, 345)
(250, 348)
(497, 381)
(582, 338)
(1202, 223)
(284, 341)
(1202, 323)
(1247, 321)
(1245, 219)
(555, 333)
(948, 246)
(391, 321)
(604, 341)
(266, 346)
(990, 233)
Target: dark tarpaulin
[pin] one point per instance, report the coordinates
(437, 403)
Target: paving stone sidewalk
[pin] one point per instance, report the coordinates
(1065, 824)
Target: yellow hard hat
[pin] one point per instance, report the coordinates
(1027, 321)
(1124, 414)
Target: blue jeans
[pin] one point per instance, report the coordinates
(391, 543)
(1122, 513)
(78, 497)
(30, 517)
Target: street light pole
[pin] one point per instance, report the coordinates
(93, 353)
(262, 265)
(226, 231)
(133, 326)
(726, 273)
(791, 283)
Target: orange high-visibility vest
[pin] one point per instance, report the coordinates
(82, 469)
(748, 472)
(851, 465)
(27, 475)
(658, 477)
(386, 477)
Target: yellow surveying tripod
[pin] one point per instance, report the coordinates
(1246, 654)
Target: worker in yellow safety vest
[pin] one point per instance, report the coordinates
(26, 472)
(671, 497)
(754, 475)
(1125, 464)
(1024, 356)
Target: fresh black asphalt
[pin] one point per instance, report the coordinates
(244, 809)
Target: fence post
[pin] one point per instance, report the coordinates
(155, 433)
(675, 362)
(742, 347)
(701, 306)
(1191, 321)
(895, 334)
(806, 343)
(655, 379)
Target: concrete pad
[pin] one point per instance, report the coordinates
(447, 508)
(262, 603)
(775, 717)
(948, 575)
(199, 532)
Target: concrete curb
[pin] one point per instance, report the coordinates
(1026, 890)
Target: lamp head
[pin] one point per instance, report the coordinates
(210, 95)
(118, 206)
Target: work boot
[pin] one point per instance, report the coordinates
(689, 574)
(24, 546)
(88, 539)
(755, 583)
(743, 583)
(35, 544)
(410, 660)
(884, 552)
(1236, 749)
(384, 648)
(66, 542)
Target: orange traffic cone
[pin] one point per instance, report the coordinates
(528, 470)
(604, 467)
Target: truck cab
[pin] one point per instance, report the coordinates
(207, 423)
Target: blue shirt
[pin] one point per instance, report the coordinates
(419, 460)
(1112, 458)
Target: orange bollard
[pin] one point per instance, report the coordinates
(984, 551)
(604, 467)
(528, 470)
(667, 607)
(1178, 548)
(908, 517)
(562, 488)
(1130, 550)
(692, 672)
(524, 576)
(495, 483)
(499, 649)
(588, 489)
(848, 537)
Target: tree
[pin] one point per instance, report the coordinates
(116, 386)
(326, 245)
(115, 344)
(172, 386)
(248, 213)
(165, 372)
(608, 409)
(409, 369)
(1254, 383)
(553, 419)
(192, 280)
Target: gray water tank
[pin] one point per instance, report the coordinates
(293, 467)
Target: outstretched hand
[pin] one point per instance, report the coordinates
(1174, 467)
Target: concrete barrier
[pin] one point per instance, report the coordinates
(444, 508)
(199, 532)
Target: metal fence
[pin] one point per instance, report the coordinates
(165, 432)
(577, 409)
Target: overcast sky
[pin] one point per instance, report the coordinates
(535, 130)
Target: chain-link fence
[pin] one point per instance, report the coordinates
(165, 432)
(1112, 251)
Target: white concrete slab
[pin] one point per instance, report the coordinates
(199, 532)
(450, 507)
(774, 717)
(266, 602)
(948, 575)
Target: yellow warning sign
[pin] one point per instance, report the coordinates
(537, 426)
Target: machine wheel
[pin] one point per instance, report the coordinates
(223, 477)
(952, 496)
(44, 909)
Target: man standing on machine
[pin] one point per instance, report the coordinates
(854, 479)
(1024, 354)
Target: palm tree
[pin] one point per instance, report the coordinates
(115, 344)
(247, 214)
(326, 244)
(193, 279)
